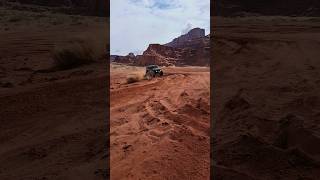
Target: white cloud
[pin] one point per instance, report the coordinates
(134, 24)
(187, 28)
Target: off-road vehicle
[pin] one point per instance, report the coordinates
(153, 71)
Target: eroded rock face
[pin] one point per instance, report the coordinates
(128, 59)
(191, 49)
(193, 36)
(143, 60)
(160, 55)
(165, 55)
(157, 49)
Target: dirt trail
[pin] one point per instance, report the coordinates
(160, 128)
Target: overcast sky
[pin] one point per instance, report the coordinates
(134, 24)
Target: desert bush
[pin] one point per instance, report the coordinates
(73, 54)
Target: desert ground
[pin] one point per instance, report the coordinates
(53, 120)
(160, 128)
(265, 99)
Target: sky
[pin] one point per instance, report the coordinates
(134, 24)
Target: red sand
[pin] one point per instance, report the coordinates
(52, 124)
(266, 98)
(160, 128)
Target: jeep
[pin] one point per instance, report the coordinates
(153, 71)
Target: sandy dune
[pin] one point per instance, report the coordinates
(159, 128)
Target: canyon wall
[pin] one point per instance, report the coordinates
(189, 49)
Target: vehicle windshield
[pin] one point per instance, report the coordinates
(153, 67)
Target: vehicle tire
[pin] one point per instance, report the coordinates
(147, 76)
(161, 73)
(152, 74)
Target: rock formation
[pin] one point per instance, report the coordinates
(160, 55)
(128, 59)
(189, 49)
(192, 36)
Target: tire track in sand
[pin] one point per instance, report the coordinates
(162, 122)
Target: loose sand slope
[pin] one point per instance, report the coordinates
(52, 124)
(266, 98)
(160, 128)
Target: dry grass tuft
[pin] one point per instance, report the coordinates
(81, 49)
(73, 54)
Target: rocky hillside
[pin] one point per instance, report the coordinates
(189, 49)
(270, 7)
(193, 38)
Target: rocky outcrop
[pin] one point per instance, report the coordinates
(157, 49)
(192, 38)
(128, 59)
(143, 60)
(160, 55)
(189, 49)
(165, 55)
